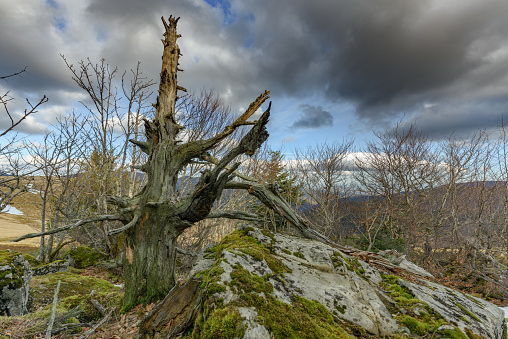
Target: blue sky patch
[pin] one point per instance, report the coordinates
(60, 23)
(52, 3)
(229, 15)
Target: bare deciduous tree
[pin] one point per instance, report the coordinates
(322, 168)
(400, 169)
(57, 157)
(15, 179)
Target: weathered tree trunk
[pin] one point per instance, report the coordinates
(149, 259)
(155, 217)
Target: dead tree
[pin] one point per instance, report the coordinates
(155, 217)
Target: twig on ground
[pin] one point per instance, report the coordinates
(99, 324)
(53, 311)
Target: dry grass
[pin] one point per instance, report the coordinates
(14, 226)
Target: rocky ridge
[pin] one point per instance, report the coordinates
(263, 285)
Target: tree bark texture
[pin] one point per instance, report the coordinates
(175, 313)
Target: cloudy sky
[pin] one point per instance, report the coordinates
(335, 68)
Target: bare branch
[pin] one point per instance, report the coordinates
(213, 160)
(143, 146)
(240, 121)
(70, 227)
(240, 215)
(126, 227)
(13, 75)
(184, 252)
(33, 109)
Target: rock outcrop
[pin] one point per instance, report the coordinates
(15, 276)
(16, 271)
(263, 285)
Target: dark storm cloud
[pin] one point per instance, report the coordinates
(313, 117)
(441, 120)
(385, 57)
(389, 57)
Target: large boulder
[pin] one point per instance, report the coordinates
(15, 276)
(263, 285)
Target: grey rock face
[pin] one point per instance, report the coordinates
(464, 310)
(254, 330)
(351, 290)
(15, 276)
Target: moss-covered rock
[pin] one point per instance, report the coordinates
(15, 276)
(73, 286)
(84, 257)
(244, 267)
(76, 296)
(264, 285)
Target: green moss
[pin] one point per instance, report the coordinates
(214, 288)
(473, 299)
(472, 335)
(240, 241)
(408, 303)
(358, 268)
(456, 333)
(269, 235)
(244, 281)
(299, 255)
(12, 276)
(303, 319)
(73, 329)
(464, 319)
(75, 294)
(415, 326)
(336, 260)
(340, 308)
(469, 313)
(223, 323)
(34, 262)
(416, 315)
(38, 321)
(351, 264)
(389, 283)
(72, 285)
(210, 278)
(84, 256)
(107, 299)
